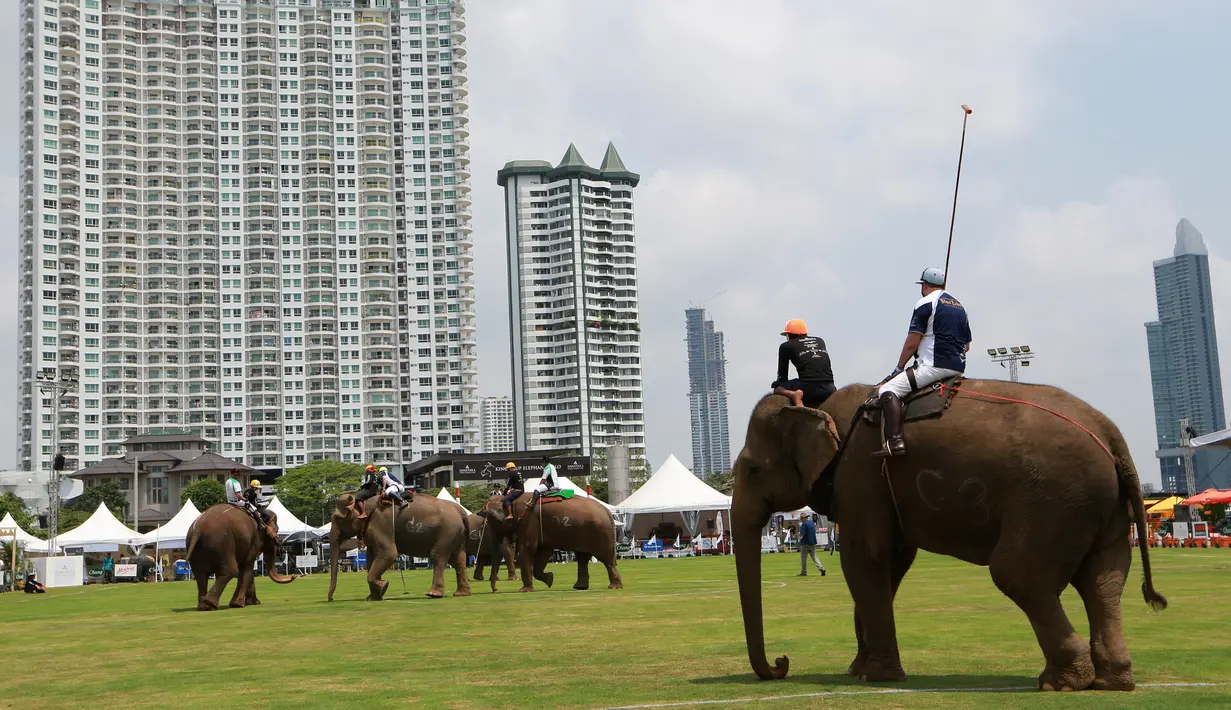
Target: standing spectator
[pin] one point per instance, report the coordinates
(108, 569)
(807, 546)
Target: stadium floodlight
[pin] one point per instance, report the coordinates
(1011, 357)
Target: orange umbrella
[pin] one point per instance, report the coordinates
(1210, 496)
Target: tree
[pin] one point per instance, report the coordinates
(309, 491)
(474, 496)
(722, 482)
(71, 518)
(109, 493)
(11, 504)
(204, 493)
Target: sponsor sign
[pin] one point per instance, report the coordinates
(128, 571)
(574, 467)
(305, 561)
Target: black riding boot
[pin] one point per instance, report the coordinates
(398, 500)
(891, 416)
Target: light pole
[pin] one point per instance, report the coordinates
(1012, 355)
(56, 387)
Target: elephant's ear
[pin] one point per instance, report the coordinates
(810, 439)
(345, 500)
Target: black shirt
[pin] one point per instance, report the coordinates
(810, 358)
(515, 483)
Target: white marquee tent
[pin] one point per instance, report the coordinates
(445, 495)
(101, 532)
(174, 533)
(24, 539)
(288, 524)
(674, 489)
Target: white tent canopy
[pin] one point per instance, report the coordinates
(445, 495)
(1217, 440)
(101, 531)
(174, 533)
(26, 540)
(674, 489)
(564, 484)
(288, 524)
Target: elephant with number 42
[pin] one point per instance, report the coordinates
(225, 542)
(579, 525)
(1034, 497)
(426, 527)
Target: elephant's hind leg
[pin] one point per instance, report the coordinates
(1100, 582)
(1030, 571)
(202, 578)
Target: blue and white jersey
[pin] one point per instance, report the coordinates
(941, 319)
(392, 478)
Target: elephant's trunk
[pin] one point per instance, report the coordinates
(335, 541)
(748, 517)
(271, 564)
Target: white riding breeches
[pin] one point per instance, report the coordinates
(394, 488)
(541, 489)
(924, 376)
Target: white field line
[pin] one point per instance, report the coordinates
(883, 691)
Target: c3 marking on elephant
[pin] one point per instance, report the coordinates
(970, 498)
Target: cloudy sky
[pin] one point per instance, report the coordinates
(799, 157)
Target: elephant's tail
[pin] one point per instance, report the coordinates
(1130, 484)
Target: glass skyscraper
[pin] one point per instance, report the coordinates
(707, 395)
(1184, 370)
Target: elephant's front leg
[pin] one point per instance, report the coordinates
(526, 554)
(541, 558)
(583, 571)
(869, 580)
(480, 561)
(463, 579)
(903, 558)
(242, 581)
(378, 564)
(511, 558)
(438, 575)
(250, 598)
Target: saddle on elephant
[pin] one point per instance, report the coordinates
(927, 402)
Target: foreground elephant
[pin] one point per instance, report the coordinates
(427, 527)
(578, 525)
(1026, 493)
(225, 541)
(477, 539)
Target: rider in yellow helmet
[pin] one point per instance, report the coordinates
(256, 505)
(513, 488)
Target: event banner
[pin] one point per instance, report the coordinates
(480, 469)
(125, 571)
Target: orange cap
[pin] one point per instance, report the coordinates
(795, 326)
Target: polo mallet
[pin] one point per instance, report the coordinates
(397, 555)
(966, 111)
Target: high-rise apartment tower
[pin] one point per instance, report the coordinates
(496, 425)
(707, 395)
(576, 337)
(1184, 371)
(250, 220)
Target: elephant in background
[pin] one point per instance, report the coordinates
(578, 525)
(478, 545)
(225, 542)
(426, 527)
(1001, 484)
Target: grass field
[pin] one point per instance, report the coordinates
(672, 635)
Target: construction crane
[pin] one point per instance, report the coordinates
(702, 304)
(1186, 451)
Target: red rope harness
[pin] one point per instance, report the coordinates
(941, 389)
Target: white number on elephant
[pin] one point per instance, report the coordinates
(561, 520)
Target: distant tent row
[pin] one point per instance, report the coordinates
(673, 491)
(102, 532)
